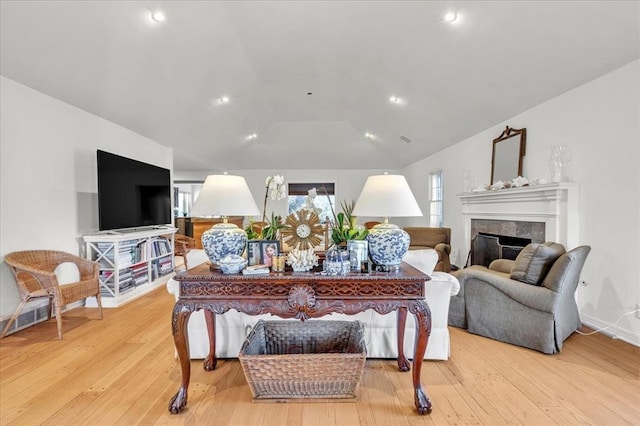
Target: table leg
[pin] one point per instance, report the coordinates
(210, 361)
(423, 330)
(180, 320)
(403, 363)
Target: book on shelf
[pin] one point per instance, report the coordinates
(141, 279)
(128, 287)
(139, 266)
(160, 246)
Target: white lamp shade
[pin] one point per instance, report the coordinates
(225, 195)
(386, 196)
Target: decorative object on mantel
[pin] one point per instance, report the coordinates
(224, 195)
(507, 153)
(521, 181)
(302, 260)
(560, 164)
(518, 182)
(387, 196)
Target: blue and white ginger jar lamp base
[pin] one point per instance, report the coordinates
(387, 246)
(223, 239)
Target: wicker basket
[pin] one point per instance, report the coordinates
(304, 360)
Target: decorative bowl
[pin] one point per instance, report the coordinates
(232, 264)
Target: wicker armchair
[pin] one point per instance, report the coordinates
(183, 244)
(35, 276)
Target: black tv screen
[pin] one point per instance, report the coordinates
(132, 193)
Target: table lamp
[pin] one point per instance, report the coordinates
(387, 196)
(224, 195)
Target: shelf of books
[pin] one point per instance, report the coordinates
(132, 262)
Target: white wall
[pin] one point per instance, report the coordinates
(48, 174)
(600, 123)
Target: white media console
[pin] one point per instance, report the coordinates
(132, 262)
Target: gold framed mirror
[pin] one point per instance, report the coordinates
(506, 157)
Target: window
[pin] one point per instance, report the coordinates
(435, 199)
(184, 194)
(298, 196)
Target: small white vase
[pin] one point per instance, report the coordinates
(560, 164)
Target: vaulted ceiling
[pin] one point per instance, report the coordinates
(311, 78)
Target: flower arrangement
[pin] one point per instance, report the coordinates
(344, 226)
(268, 229)
(275, 188)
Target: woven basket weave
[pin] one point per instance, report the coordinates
(304, 360)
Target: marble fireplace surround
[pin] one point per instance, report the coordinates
(553, 209)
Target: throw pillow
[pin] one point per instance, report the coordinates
(534, 262)
(424, 260)
(67, 273)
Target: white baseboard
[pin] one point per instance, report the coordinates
(614, 331)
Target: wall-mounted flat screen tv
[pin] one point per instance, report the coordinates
(131, 193)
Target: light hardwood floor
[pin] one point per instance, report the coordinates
(122, 370)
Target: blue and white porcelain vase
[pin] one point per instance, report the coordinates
(223, 239)
(387, 245)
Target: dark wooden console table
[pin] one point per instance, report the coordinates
(302, 296)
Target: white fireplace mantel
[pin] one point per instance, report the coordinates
(555, 204)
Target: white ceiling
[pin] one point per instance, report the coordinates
(162, 80)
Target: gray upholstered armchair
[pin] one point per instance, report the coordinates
(528, 302)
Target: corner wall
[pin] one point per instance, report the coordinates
(599, 123)
(48, 175)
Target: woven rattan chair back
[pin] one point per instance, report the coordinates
(34, 274)
(183, 244)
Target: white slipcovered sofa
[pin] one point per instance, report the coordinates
(233, 327)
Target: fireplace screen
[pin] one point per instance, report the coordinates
(486, 248)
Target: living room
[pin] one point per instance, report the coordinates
(49, 183)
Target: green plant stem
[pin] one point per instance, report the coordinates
(264, 209)
(335, 219)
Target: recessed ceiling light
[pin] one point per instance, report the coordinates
(451, 17)
(252, 136)
(158, 16)
(223, 100)
(394, 99)
(369, 135)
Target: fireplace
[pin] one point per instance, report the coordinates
(540, 213)
(486, 248)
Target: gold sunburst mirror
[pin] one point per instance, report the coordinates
(302, 230)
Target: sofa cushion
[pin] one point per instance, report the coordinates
(534, 262)
(424, 260)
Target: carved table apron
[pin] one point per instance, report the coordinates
(301, 295)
